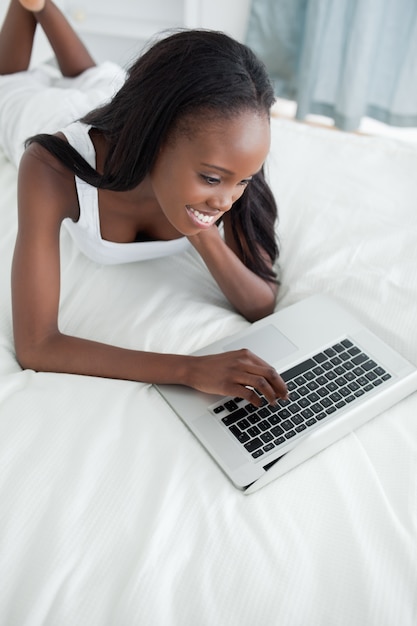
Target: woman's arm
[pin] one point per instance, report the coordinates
(250, 294)
(46, 196)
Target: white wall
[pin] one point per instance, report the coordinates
(122, 46)
(228, 15)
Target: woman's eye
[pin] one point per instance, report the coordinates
(211, 180)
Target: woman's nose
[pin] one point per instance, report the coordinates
(221, 202)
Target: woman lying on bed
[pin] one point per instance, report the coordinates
(179, 148)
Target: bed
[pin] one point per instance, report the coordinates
(111, 512)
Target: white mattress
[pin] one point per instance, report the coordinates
(111, 512)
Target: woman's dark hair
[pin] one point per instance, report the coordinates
(188, 74)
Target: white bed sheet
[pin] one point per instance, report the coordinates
(112, 514)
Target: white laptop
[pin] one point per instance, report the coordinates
(339, 376)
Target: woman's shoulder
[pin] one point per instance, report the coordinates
(44, 177)
(40, 164)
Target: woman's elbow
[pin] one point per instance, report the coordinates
(259, 310)
(27, 358)
(33, 355)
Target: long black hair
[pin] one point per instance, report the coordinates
(182, 76)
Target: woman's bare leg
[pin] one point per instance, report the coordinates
(72, 55)
(16, 38)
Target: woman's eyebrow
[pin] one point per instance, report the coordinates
(220, 169)
(224, 170)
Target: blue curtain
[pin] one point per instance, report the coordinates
(342, 58)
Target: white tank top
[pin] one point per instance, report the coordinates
(86, 231)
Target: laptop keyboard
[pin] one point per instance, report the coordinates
(318, 388)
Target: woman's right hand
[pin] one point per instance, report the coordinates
(237, 373)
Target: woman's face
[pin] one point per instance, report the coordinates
(199, 175)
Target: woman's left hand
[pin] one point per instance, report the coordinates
(250, 294)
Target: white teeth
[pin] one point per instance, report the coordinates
(206, 219)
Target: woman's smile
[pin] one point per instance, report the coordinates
(202, 219)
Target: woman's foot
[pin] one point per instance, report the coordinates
(33, 5)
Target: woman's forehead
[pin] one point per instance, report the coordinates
(243, 139)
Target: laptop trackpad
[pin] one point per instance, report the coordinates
(267, 342)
